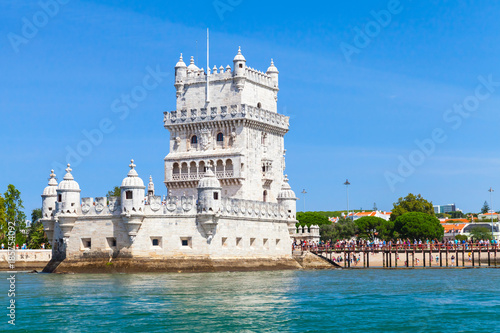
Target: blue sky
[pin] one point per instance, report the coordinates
(354, 117)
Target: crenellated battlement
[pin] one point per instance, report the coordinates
(242, 111)
(186, 205)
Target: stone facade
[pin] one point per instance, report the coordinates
(228, 197)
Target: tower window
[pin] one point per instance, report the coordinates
(259, 105)
(59, 197)
(264, 196)
(241, 65)
(220, 137)
(216, 196)
(194, 140)
(128, 195)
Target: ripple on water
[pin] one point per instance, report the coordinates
(283, 301)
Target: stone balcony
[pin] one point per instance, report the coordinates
(183, 180)
(233, 112)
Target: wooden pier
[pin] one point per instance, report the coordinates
(406, 256)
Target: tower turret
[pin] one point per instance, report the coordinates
(49, 198)
(287, 199)
(132, 191)
(272, 71)
(239, 70)
(132, 200)
(180, 76)
(68, 203)
(151, 189)
(209, 198)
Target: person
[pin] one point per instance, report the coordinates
(43, 246)
(3, 246)
(452, 259)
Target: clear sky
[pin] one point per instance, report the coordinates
(397, 97)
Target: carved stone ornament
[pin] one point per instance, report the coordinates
(155, 203)
(171, 203)
(85, 208)
(99, 207)
(205, 138)
(187, 203)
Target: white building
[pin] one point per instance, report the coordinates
(228, 196)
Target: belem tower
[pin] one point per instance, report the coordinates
(228, 200)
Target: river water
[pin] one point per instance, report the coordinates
(432, 300)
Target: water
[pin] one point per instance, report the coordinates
(446, 300)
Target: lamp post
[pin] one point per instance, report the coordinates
(347, 193)
(304, 193)
(491, 190)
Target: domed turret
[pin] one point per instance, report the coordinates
(209, 180)
(272, 71)
(180, 76)
(68, 203)
(239, 70)
(49, 197)
(192, 66)
(68, 194)
(209, 198)
(209, 193)
(132, 191)
(287, 198)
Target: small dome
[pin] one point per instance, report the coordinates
(239, 56)
(181, 63)
(209, 180)
(286, 191)
(68, 183)
(132, 179)
(272, 68)
(50, 191)
(192, 66)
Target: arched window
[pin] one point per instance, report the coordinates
(264, 196)
(259, 105)
(194, 140)
(220, 137)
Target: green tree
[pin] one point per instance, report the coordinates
(311, 218)
(486, 208)
(343, 229)
(36, 235)
(461, 237)
(411, 203)
(457, 215)
(416, 225)
(478, 233)
(115, 192)
(369, 226)
(13, 206)
(3, 220)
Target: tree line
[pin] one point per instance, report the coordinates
(11, 210)
(412, 217)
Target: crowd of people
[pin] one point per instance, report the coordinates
(358, 244)
(23, 247)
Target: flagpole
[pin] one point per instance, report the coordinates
(208, 67)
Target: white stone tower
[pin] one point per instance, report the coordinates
(236, 128)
